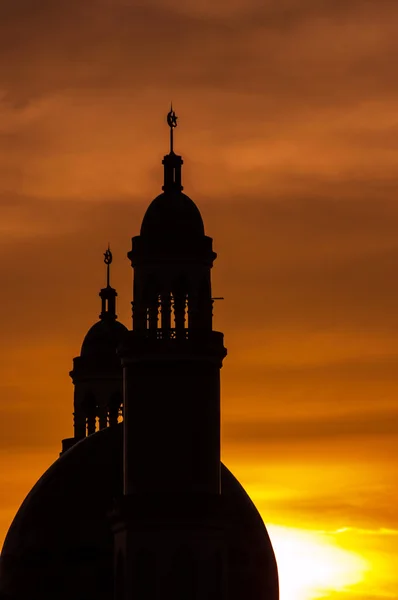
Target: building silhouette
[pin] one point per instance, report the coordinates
(143, 509)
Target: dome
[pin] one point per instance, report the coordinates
(172, 214)
(103, 337)
(60, 544)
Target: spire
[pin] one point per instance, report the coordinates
(172, 162)
(172, 123)
(108, 262)
(108, 294)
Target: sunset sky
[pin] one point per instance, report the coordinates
(288, 126)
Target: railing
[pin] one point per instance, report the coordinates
(174, 334)
(164, 334)
(170, 341)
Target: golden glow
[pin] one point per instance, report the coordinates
(288, 128)
(311, 566)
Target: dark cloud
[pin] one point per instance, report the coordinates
(352, 426)
(45, 269)
(298, 54)
(323, 262)
(324, 389)
(302, 264)
(288, 131)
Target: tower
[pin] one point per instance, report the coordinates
(97, 372)
(169, 515)
(183, 528)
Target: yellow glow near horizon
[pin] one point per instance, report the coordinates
(310, 566)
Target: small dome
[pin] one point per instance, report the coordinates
(172, 214)
(103, 337)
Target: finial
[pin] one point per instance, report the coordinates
(108, 294)
(172, 123)
(108, 261)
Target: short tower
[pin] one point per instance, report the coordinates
(97, 372)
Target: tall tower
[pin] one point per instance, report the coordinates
(97, 372)
(168, 531)
(182, 527)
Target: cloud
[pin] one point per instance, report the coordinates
(374, 532)
(288, 130)
(288, 52)
(352, 426)
(352, 595)
(345, 513)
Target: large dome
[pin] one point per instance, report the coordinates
(172, 214)
(60, 544)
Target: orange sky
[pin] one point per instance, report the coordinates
(288, 127)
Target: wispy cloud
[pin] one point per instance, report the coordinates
(288, 129)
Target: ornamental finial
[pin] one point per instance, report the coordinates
(172, 123)
(108, 261)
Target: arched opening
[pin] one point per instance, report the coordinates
(90, 408)
(165, 300)
(172, 309)
(179, 304)
(115, 408)
(152, 303)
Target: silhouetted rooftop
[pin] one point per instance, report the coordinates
(172, 214)
(60, 544)
(103, 337)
